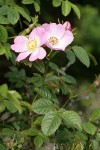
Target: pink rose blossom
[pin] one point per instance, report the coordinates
(57, 38)
(30, 46)
(67, 25)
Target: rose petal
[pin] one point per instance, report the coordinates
(42, 53)
(34, 55)
(64, 41)
(23, 55)
(20, 39)
(39, 34)
(67, 25)
(19, 47)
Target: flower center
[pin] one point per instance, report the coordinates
(31, 44)
(53, 40)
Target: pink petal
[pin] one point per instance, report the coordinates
(53, 29)
(19, 47)
(67, 25)
(42, 53)
(20, 39)
(34, 55)
(45, 26)
(23, 55)
(56, 30)
(39, 34)
(64, 41)
(60, 31)
(50, 30)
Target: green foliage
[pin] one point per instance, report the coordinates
(44, 103)
(50, 122)
(56, 3)
(44, 92)
(3, 34)
(37, 6)
(16, 76)
(89, 128)
(40, 66)
(68, 79)
(13, 16)
(42, 106)
(38, 141)
(30, 132)
(95, 115)
(66, 7)
(22, 12)
(82, 55)
(71, 118)
(76, 10)
(70, 56)
(27, 1)
(9, 100)
(2, 147)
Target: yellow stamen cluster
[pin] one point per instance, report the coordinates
(31, 44)
(53, 40)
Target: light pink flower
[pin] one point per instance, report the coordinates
(30, 46)
(57, 38)
(67, 25)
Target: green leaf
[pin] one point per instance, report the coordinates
(95, 115)
(89, 128)
(51, 78)
(26, 104)
(10, 106)
(3, 90)
(3, 34)
(3, 20)
(56, 3)
(7, 132)
(71, 118)
(30, 132)
(82, 55)
(14, 98)
(27, 1)
(2, 147)
(22, 12)
(70, 56)
(2, 107)
(64, 88)
(8, 53)
(42, 106)
(39, 65)
(2, 50)
(4, 9)
(68, 79)
(92, 58)
(66, 7)
(43, 92)
(37, 7)
(38, 81)
(50, 123)
(13, 16)
(54, 67)
(77, 146)
(95, 145)
(76, 10)
(38, 141)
